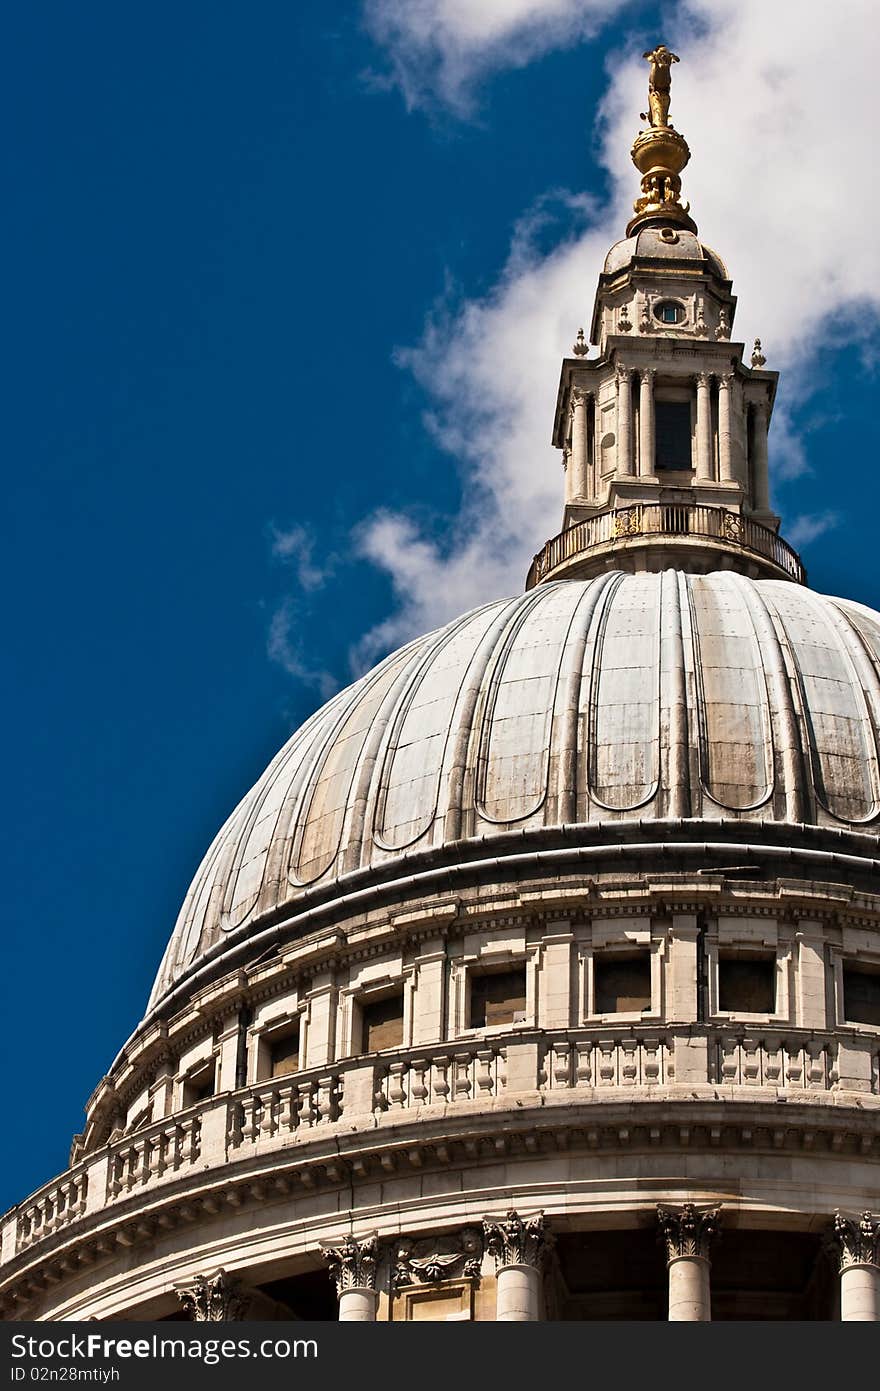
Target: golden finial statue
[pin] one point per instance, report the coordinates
(659, 83)
(660, 153)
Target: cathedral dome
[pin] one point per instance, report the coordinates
(664, 244)
(626, 698)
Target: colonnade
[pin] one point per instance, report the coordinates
(520, 1247)
(723, 464)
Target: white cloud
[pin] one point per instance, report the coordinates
(806, 528)
(781, 128)
(438, 49)
(295, 546)
(284, 647)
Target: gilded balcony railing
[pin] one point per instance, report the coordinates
(655, 522)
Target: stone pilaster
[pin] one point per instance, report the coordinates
(858, 1248)
(760, 465)
(218, 1298)
(519, 1246)
(687, 1233)
(353, 1266)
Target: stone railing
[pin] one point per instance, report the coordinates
(365, 1092)
(159, 1149)
(654, 522)
(300, 1102)
(775, 1059)
(430, 1076)
(579, 1059)
(53, 1207)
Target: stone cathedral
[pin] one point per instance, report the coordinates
(538, 976)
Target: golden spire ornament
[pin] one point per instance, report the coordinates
(660, 153)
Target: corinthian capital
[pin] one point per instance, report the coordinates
(579, 396)
(687, 1230)
(857, 1241)
(516, 1240)
(352, 1263)
(219, 1298)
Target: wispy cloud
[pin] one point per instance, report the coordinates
(295, 546)
(438, 50)
(285, 647)
(801, 530)
(781, 133)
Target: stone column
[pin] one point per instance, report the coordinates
(624, 424)
(688, 1233)
(704, 427)
(577, 464)
(519, 1246)
(858, 1246)
(353, 1264)
(218, 1298)
(760, 467)
(726, 467)
(646, 422)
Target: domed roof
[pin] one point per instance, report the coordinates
(624, 697)
(663, 243)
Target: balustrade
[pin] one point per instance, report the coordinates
(597, 1060)
(52, 1209)
(473, 1070)
(428, 1078)
(283, 1107)
(163, 1147)
(655, 520)
(785, 1061)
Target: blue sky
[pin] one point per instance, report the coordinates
(287, 290)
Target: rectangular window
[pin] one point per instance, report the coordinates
(199, 1085)
(622, 984)
(672, 423)
(498, 997)
(382, 1023)
(861, 995)
(747, 985)
(283, 1050)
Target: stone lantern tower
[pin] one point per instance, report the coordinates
(664, 433)
(538, 976)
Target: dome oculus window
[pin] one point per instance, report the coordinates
(668, 311)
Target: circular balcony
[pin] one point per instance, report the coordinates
(664, 534)
(522, 1110)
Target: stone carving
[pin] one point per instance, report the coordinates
(700, 327)
(659, 84)
(353, 1263)
(218, 1298)
(687, 1231)
(627, 522)
(578, 397)
(624, 322)
(580, 347)
(723, 329)
(857, 1241)
(516, 1240)
(435, 1258)
(758, 358)
(731, 526)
